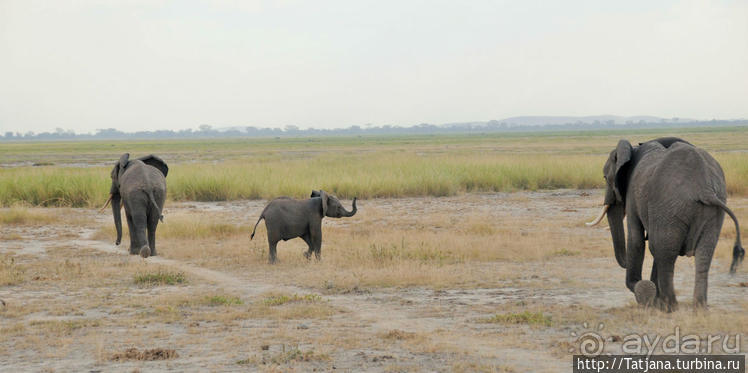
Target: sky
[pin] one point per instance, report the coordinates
(153, 64)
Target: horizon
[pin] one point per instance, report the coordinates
(524, 124)
(147, 66)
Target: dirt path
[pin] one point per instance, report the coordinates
(383, 313)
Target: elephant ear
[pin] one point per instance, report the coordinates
(157, 162)
(117, 170)
(323, 194)
(624, 152)
(123, 161)
(315, 193)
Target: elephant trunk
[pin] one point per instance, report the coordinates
(348, 214)
(615, 221)
(116, 200)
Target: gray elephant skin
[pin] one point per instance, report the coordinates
(672, 194)
(140, 186)
(287, 218)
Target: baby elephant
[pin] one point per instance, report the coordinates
(287, 218)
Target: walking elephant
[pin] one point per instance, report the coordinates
(672, 194)
(140, 186)
(287, 218)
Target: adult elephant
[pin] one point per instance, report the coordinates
(139, 185)
(673, 194)
(287, 218)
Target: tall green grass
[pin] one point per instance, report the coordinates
(54, 186)
(356, 167)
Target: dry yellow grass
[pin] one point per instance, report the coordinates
(18, 215)
(399, 278)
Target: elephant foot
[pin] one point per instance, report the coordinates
(145, 251)
(668, 307)
(700, 308)
(645, 292)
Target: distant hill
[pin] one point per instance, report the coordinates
(617, 119)
(531, 121)
(513, 124)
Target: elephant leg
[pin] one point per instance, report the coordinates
(653, 277)
(316, 237)
(131, 230)
(272, 244)
(665, 271)
(703, 257)
(139, 237)
(153, 218)
(307, 238)
(634, 252)
(703, 261)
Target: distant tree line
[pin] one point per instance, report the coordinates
(493, 126)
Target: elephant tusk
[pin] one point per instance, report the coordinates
(107, 203)
(599, 218)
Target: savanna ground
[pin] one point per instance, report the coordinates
(468, 253)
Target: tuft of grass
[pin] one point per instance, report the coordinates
(565, 252)
(293, 354)
(194, 226)
(161, 277)
(145, 355)
(281, 299)
(422, 253)
(10, 272)
(398, 334)
(525, 317)
(64, 327)
(223, 300)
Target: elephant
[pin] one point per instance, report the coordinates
(673, 194)
(287, 218)
(140, 186)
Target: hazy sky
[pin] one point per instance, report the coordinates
(142, 65)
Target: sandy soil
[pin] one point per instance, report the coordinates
(370, 329)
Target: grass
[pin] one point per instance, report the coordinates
(18, 215)
(288, 355)
(11, 273)
(366, 167)
(281, 299)
(181, 225)
(434, 243)
(224, 300)
(525, 318)
(518, 260)
(160, 277)
(61, 327)
(194, 226)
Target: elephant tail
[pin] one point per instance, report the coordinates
(262, 216)
(155, 205)
(738, 252)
